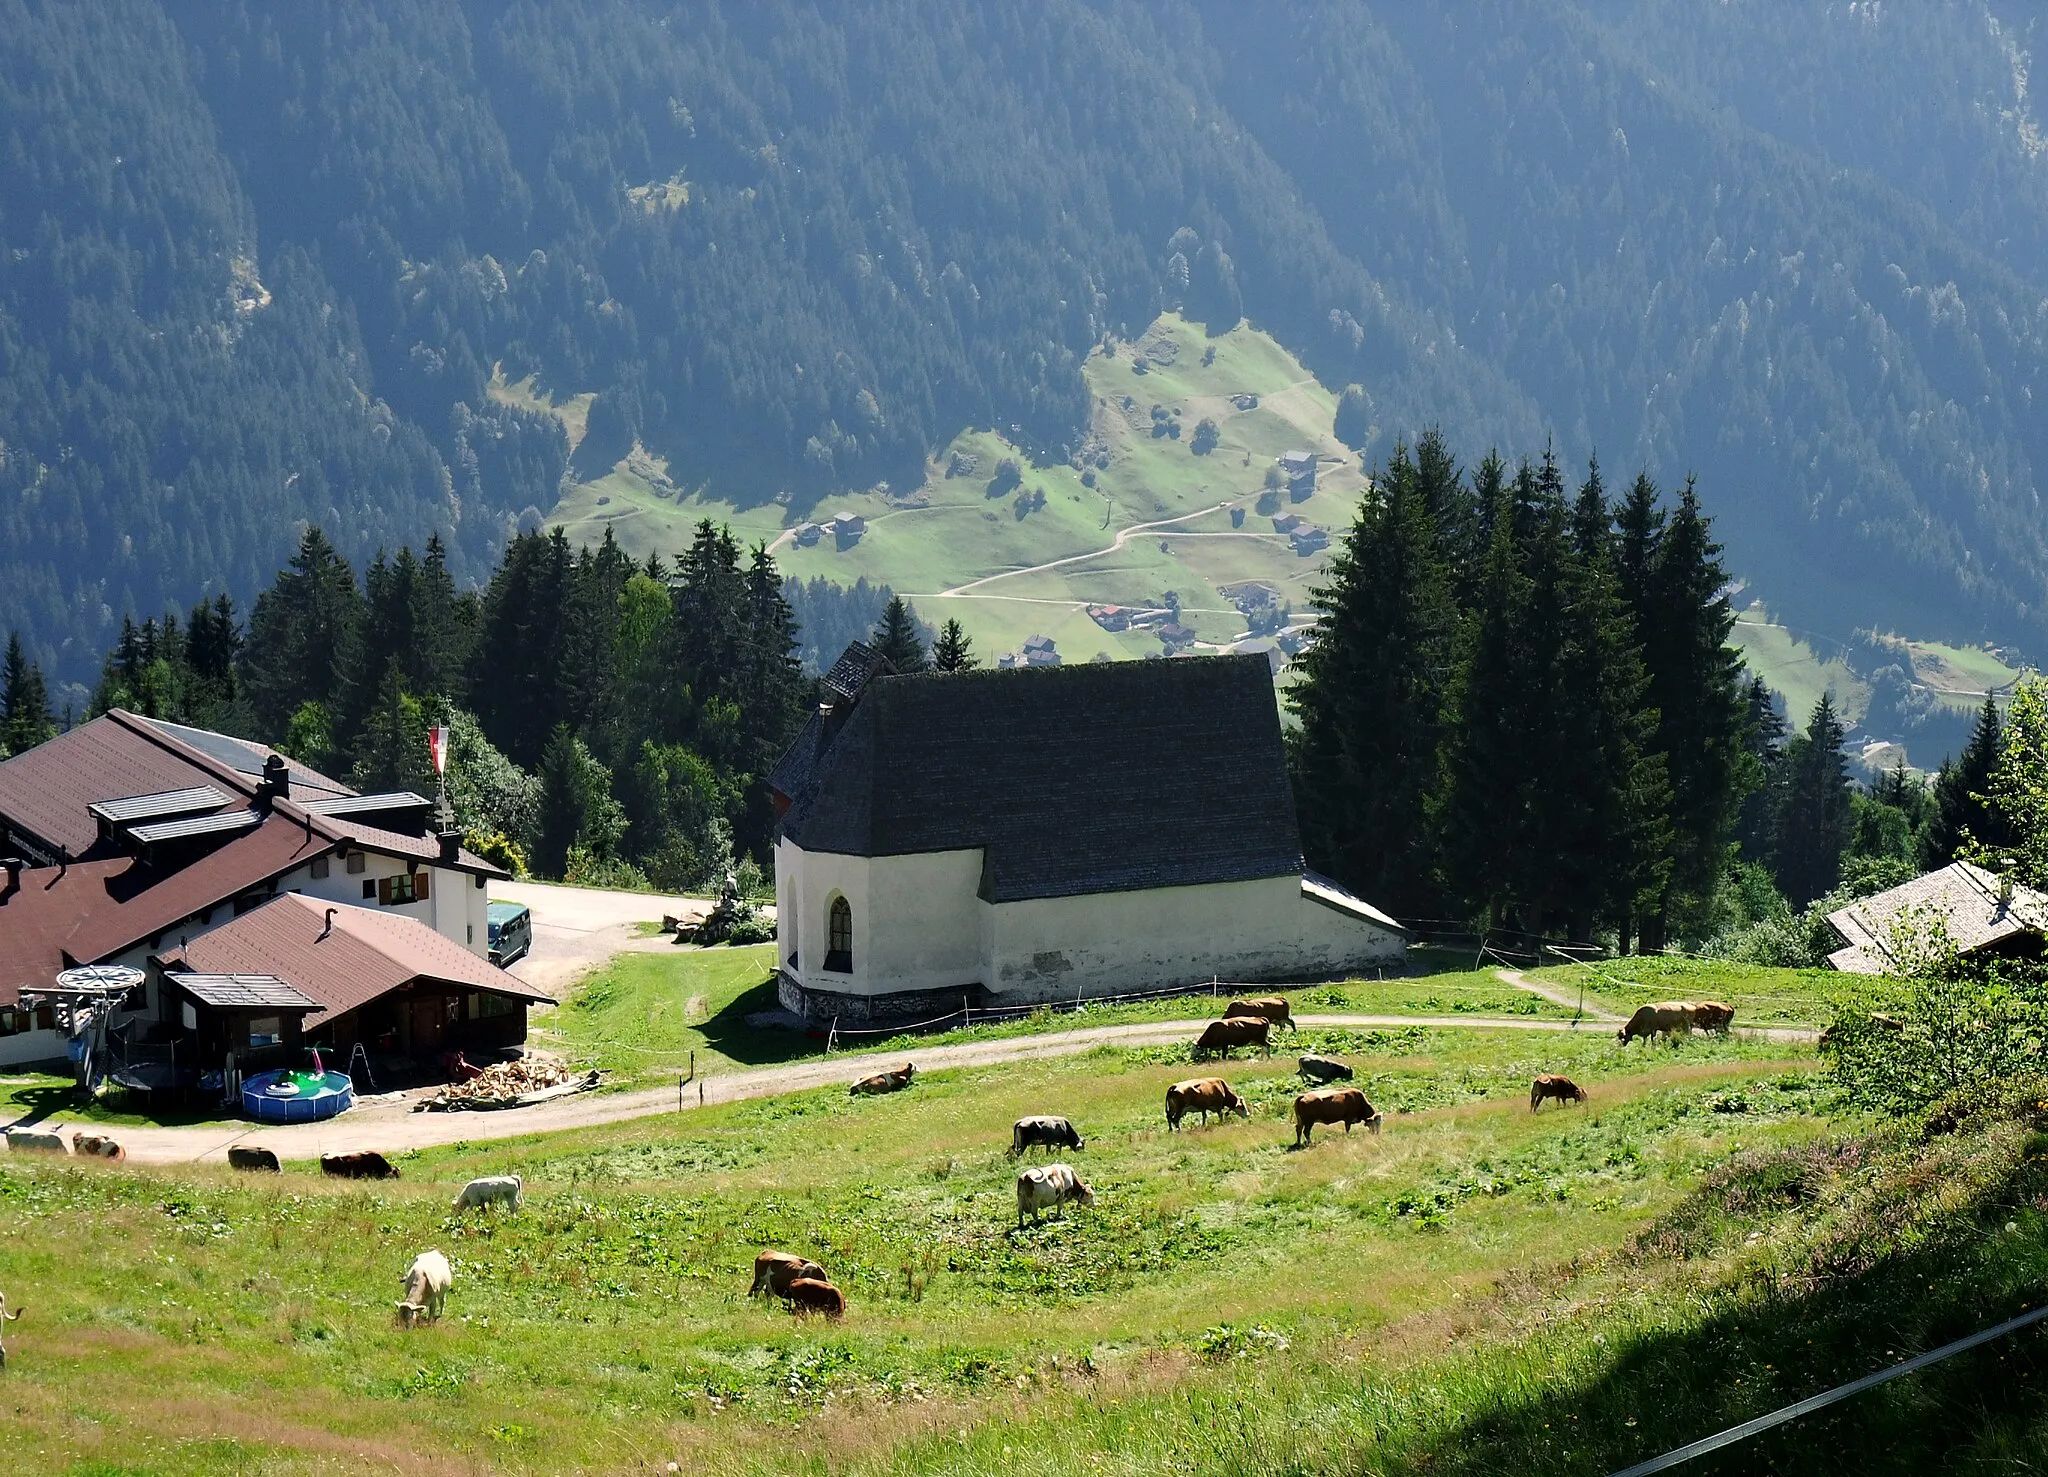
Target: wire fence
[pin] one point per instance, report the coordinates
(969, 1014)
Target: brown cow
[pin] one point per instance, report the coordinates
(367, 1165)
(1712, 1015)
(97, 1146)
(1267, 1007)
(1234, 1031)
(891, 1081)
(1551, 1085)
(775, 1270)
(1204, 1095)
(249, 1156)
(814, 1295)
(1345, 1105)
(7, 1317)
(1667, 1018)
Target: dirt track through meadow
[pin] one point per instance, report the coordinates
(391, 1127)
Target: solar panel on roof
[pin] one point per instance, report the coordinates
(250, 991)
(162, 805)
(363, 804)
(197, 825)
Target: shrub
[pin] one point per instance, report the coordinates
(1205, 438)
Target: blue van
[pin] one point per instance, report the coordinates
(511, 930)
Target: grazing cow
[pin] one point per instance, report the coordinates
(775, 1270)
(1043, 1131)
(7, 1317)
(496, 1189)
(808, 1295)
(1551, 1085)
(97, 1147)
(1267, 1008)
(1345, 1105)
(1712, 1015)
(1323, 1069)
(427, 1282)
(1234, 1031)
(1049, 1187)
(1878, 1020)
(1204, 1095)
(881, 1082)
(1668, 1018)
(367, 1165)
(36, 1141)
(248, 1156)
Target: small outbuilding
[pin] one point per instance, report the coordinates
(1983, 913)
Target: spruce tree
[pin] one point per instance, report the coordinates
(953, 651)
(1764, 746)
(1370, 698)
(1696, 690)
(1479, 807)
(898, 639)
(1962, 812)
(24, 702)
(1813, 824)
(301, 634)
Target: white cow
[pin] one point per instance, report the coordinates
(36, 1141)
(427, 1282)
(1049, 1187)
(495, 1189)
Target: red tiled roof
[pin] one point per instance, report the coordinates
(368, 953)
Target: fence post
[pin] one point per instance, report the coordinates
(966, 1015)
(700, 1094)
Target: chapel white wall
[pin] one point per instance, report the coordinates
(1163, 938)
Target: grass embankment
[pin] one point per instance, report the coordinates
(642, 1015)
(1762, 996)
(196, 1321)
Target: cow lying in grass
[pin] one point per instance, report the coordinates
(1345, 1105)
(1271, 1008)
(1204, 1095)
(36, 1141)
(814, 1295)
(1550, 1085)
(1049, 1187)
(1226, 1035)
(427, 1282)
(1043, 1132)
(367, 1165)
(774, 1271)
(1323, 1068)
(7, 1317)
(497, 1189)
(97, 1146)
(894, 1080)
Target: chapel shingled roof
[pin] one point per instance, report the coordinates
(1105, 777)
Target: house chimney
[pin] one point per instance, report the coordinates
(13, 864)
(277, 779)
(329, 926)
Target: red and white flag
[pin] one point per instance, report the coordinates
(437, 743)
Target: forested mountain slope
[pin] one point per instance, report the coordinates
(258, 262)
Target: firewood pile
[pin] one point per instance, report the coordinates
(502, 1082)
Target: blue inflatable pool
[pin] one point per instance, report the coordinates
(287, 1096)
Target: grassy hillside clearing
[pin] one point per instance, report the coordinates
(1477, 1286)
(206, 1321)
(1762, 996)
(982, 559)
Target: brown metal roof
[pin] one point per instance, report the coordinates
(47, 792)
(89, 911)
(366, 954)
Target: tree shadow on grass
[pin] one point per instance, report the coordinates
(1909, 1272)
(30, 1107)
(730, 1033)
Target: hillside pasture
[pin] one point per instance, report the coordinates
(196, 1321)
